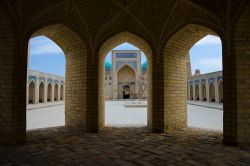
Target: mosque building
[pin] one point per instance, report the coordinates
(125, 78)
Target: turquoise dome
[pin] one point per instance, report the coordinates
(108, 66)
(144, 66)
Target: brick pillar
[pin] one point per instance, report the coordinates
(94, 119)
(75, 88)
(13, 76)
(156, 116)
(175, 78)
(236, 75)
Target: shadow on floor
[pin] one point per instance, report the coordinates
(123, 146)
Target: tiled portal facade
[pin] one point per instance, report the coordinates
(43, 88)
(206, 87)
(86, 31)
(125, 78)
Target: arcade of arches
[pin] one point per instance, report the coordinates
(208, 87)
(164, 30)
(43, 87)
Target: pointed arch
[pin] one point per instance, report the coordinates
(126, 79)
(125, 65)
(108, 45)
(75, 50)
(32, 92)
(211, 92)
(175, 54)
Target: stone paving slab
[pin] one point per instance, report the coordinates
(123, 146)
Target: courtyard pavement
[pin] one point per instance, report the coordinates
(124, 147)
(119, 115)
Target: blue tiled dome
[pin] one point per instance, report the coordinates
(108, 66)
(144, 66)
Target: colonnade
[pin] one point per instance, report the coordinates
(207, 87)
(43, 88)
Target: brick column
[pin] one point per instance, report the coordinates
(93, 120)
(175, 78)
(236, 75)
(13, 77)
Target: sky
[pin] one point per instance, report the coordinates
(46, 56)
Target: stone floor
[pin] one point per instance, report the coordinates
(123, 146)
(116, 114)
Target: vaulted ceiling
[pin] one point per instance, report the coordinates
(97, 18)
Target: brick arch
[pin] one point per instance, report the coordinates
(236, 78)
(104, 49)
(75, 51)
(211, 92)
(175, 56)
(124, 23)
(206, 26)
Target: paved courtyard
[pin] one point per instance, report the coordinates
(118, 115)
(125, 146)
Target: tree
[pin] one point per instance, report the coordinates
(141, 82)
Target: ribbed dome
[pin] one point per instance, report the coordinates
(108, 66)
(144, 66)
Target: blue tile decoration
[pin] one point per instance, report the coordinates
(211, 79)
(132, 64)
(42, 79)
(56, 82)
(126, 55)
(203, 81)
(32, 78)
(196, 82)
(219, 78)
(50, 81)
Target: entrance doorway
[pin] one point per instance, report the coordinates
(126, 92)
